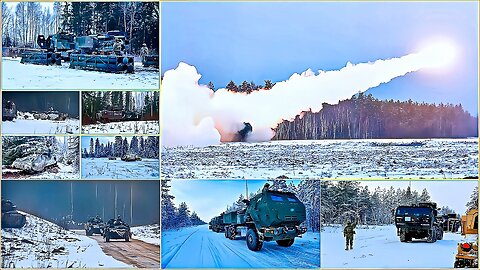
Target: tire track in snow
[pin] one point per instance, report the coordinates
(176, 250)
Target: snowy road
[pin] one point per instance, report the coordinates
(380, 247)
(332, 159)
(198, 247)
(17, 76)
(102, 168)
(137, 253)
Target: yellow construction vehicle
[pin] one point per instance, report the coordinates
(467, 254)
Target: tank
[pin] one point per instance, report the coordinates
(9, 111)
(94, 226)
(115, 229)
(11, 218)
(418, 221)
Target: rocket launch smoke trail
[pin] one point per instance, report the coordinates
(192, 114)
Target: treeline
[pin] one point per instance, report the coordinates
(147, 104)
(344, 201)
(244, 87)
(174, 217)
(144, 148)
(365, 117)
(307, 191)
(139, 19)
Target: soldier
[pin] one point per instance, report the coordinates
(348, 233)
(144, 50)
(117, 47)
(266, 187)
(118, 221)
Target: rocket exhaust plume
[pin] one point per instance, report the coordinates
(195, 115)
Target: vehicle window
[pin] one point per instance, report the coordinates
(290, 199)
(276, 198)
(414, 211)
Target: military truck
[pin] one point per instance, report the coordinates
(418, 221)
(216, 224)
(11, 218)
(94, 226)
(467, 251)
(450, 222)
(115, 229)
(269, 216)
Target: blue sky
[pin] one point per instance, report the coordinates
(257, 41)
(208, 198)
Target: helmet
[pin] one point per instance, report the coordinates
(144, 44)
(118, 216)
(97, 216)
(349, 223)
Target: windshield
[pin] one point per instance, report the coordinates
(413, 211)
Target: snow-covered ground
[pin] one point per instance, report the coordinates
(379, 159)
(27, 76)
(380, 247)
(102, 168)
(42, 244)
(63, 172)
(198, 247)
(127, 127)
(31, 126)
(148, 233)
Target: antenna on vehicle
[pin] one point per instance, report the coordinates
(246, 188)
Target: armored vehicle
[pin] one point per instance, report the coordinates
(115, 229)
(11, 218)
(216, 224)
(418, 221)
(130, 157)
(115, 114)
(94, 226)
(150, 60)
(9, 111)
(467, 252)
(268, 216)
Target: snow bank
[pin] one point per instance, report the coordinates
(380, 247)
(30, 126)
(127, 127)
(28, 76)
(148, 233)
(42, 244)
(198, 247)
(102, 168)
(361, 159)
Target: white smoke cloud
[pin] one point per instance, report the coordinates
(192, 114)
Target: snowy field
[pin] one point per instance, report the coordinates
(148, 233)
(102, 168)
(379, 159)
(61, 172)
(28, 76)
(31, 126)
(127, 127)
(41, 244)
(380, 247)
(198, 247)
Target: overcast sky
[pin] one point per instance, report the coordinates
(255, 41)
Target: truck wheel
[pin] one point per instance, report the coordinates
(107, 237)
(253, 242)
(127, 237)
(286, 242)
(408, 237)
(431, 238)
(440, 234)
(403, 237)
(458, 264)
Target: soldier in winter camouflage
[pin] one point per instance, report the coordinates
(348, 233)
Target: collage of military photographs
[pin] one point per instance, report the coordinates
(244, 134)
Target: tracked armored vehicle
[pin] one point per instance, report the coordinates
(9, 111)
(11, 218)
(52, 50)
(467, 252)
(115, 229)
(419, 222)
(269, 216)
(94, 226)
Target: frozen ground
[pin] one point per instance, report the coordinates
(198, 247)
(63, 172)
(41, 244)
(148, 233)
(31, 126)
(380, 247)
(379, 159)
(102, 168)
(28, 76)
(129, 127)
